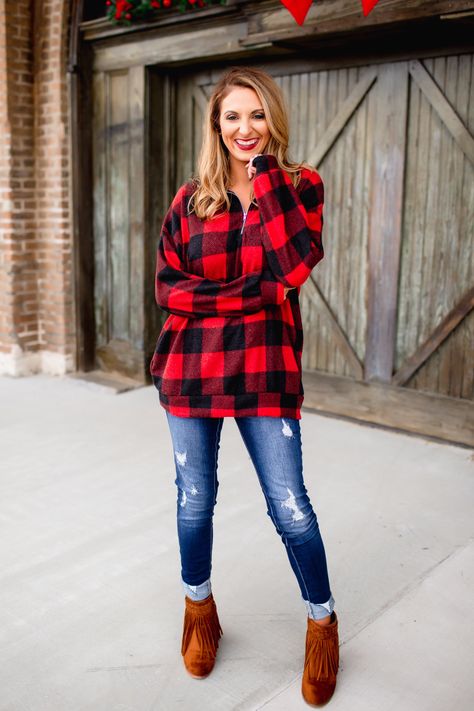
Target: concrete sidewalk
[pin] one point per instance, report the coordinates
(91, 606)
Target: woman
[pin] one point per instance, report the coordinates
(236, 245)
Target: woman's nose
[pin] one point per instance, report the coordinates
(245, 128)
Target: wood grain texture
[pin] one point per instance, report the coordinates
(336, 335)
(119, 210)
(444, 108)
(335, 120)
(385, 219)
(436, 338)
(99, 90)
(427, 414)
(177, 45)
(118, 200)
(137, 192)
(350, 105)
(437, 256)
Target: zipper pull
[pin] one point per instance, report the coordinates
(243, 223)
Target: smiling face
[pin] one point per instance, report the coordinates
(243, 125)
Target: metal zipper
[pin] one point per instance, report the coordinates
(244, 212)
(243, 223)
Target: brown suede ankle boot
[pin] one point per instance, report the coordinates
(201, 633)
(321, 661)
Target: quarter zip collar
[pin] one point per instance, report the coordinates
(245, 212)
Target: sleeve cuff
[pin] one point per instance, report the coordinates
(273, 292)
(264, 162)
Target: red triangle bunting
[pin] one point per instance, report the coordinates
(298, 8)
(368, 5)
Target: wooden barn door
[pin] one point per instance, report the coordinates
(389, 326)
(120, 278)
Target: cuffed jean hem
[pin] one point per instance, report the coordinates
(319, 610)
(198, 592)
(316, 611)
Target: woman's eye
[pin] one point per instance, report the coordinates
(257, 116)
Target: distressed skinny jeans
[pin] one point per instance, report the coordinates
(274, 446)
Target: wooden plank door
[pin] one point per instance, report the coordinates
(119, 224)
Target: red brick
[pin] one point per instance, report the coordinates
(36, 302)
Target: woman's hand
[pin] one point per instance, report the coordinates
(251, 170)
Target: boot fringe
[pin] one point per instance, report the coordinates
(208, 632)
(321, 658)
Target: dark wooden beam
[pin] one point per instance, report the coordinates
(80, 108)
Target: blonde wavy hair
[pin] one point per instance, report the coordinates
(213, 170)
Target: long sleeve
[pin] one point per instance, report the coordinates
(185, 294)
(292, 220)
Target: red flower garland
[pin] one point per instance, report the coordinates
(125, 11)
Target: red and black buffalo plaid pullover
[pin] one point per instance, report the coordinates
(232, 344)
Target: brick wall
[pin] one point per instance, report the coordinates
(37, 330)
